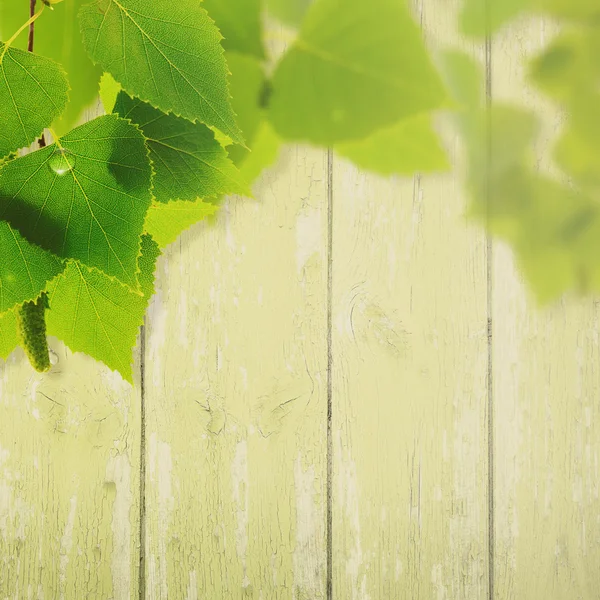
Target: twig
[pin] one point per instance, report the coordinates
(30, 41)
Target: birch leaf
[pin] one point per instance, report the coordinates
(84, 198)
(25, 269)
(356, 67)
(188, 162)
(165, 222)
(408, 146)
(33, 92)
(97, 315)
(8, 334)
(240, 22)
(166, 53)
(57, 37)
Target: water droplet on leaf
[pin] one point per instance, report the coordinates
(61, 162)
(53, 357)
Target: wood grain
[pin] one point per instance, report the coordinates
(546, 382)
(69, 478)
(69, 473)
(236, 373)
(409, 384)
(311, 417)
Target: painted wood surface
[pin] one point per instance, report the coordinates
(69, 478)
(321, 409)
(236, 371)
(546, 387)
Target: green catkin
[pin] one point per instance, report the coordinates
(31, 326)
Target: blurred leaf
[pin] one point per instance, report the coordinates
(188, 162)
(482, 17)
(569, 65)
(240, 23)
(356, 67)
(497, 142)
(587, 10)
(165, 222)
(246, 83)
(8, 334)
(265, 150)
(57, 36)
(578, 149)
(408, 146)
(290, 12)
(464, 78)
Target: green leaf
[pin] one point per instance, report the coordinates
(246, 82)
(249, 87)
(8, 334)
(265, 150)
(165, 222)
(57, 37)
(165, 53)
(240, 23)
(408, 146)
(188, 162)
(482, 17)
(85, 198)
(464, 78)
(570, 65)
(554, 231)
(33, 92)
(25, 269)
(97, 315)
(578, 149)
(356, 67)
(584, 10)
(290, 12)
(109, 90)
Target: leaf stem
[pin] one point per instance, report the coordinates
(31, 26)
(30, 41)
(29, 23)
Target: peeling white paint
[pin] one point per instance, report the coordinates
(157, 315)
(160, 467)
(66, 545)
(308, 236)
(309, 552)
(239, 478)
(118, 470)
(192, 590)
(182, 312)
(348, 495)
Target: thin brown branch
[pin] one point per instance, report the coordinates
(30, 43)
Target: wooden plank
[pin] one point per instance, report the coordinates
(69, 463)
(69, 478)
(409, 382)
(546, 382)
(235, 398)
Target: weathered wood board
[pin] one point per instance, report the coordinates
(69, 479)
(320, 411)
(546, 388)
(236, 368)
